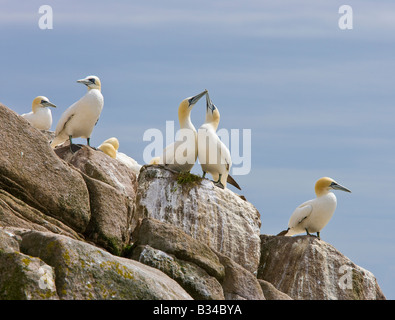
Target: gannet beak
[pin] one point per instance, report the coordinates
(48, 104)
(196, 98)
(209, 104)
(84, 81)
(337, 186)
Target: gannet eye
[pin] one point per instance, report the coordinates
(92, 80)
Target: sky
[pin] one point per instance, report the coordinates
(319, 100)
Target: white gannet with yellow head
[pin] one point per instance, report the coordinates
(313, 215)
(40, 117)
(110, 147)
(214, 156)
(81, 117)
(181, 155)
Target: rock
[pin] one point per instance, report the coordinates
(216, 217)
(239, 283)
(23, 277)
(304, 267)
(84, 271)
(16, 213)
(195, 280)
(31, 172)
(271, 293)
(169, 249)
(191, 239)
(97, 165)
(172, 240)
(111, 215)
(112, 192)
(9, 241)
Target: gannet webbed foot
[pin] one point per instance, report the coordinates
(312, 235)
(219, 183)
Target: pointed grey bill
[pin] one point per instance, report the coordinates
(337, 186)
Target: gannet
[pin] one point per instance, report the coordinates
(40, 117)
(110, 147)
(214, 156)
(181, 155)
(80, 118)
(313, 215)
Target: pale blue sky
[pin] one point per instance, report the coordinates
(319, 100)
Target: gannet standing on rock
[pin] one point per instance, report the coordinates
(110, 147)
(181, 155)
(40, 117)
(313, 215)
(214, 156)
(80, 118)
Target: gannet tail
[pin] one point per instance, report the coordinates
(283, 233)
(232, 181)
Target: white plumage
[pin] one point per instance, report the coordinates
(313, 215)
(181, 155)
(81, 117)
(214, 155)
(40, 117)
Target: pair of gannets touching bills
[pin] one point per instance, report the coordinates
(205, 144)
(81, 117)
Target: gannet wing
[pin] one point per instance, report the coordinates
(300, 214)
(224, 153)
(65, 118)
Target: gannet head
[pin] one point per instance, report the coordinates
(41, 102)
(325, 185)
(113, 141)
(187, 104)
(92, 82)
(108, 149)
(212, 112)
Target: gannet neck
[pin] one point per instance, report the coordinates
(212, 118)
(184, 115)
(90, 89)
(36, 104)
